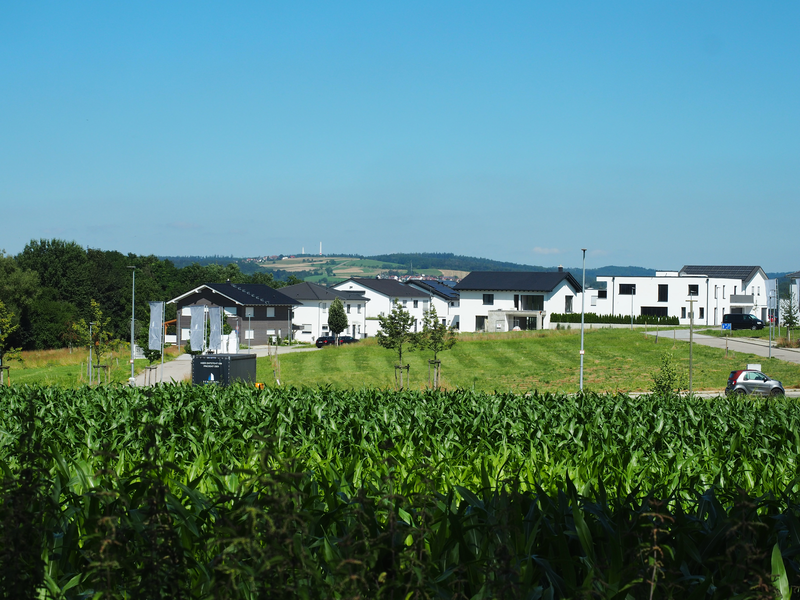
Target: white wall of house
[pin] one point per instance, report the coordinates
(499, 313)
(447, 311)
(714, 297)
(380, 304)
(312, 318)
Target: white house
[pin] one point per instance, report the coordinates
(712, 290)
(381, 295)
(443, 298)
(311, 315)
(504, 301)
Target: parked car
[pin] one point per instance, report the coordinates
(750, 381)
(325, 340)
(329, 340)
(743, 321)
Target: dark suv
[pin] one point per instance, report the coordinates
(743, 321)
(749, 381)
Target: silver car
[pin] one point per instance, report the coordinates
(749, 381)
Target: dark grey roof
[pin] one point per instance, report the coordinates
(745, 273)
(246, 294)
(795, 275)
(388, 287)
(314, 291)
(436, 288)
(516, 281)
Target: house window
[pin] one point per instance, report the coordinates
(716, 291)
(306, 327)
(568, 304)
(358, 308)
(702, 312)
(248, 334)
(248, 311)
(602, 294)
(405, 303)
(627, 289)
(488, 299)
(683, 312)
(348, 309)
(594, 301)
(654, 311)
(663, 292)
(186, 311)
(452, 304)
(480, 323)
(230, 311)
(324, 306)
(516, 301)
(444, 322)
(416, 303)
(693, 290)
(723, 291)
(270, 312)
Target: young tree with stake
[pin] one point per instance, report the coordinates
(436, 336)
(395, 332)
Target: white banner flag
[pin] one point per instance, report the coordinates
(215, 333)
(198, 327)
(156, 325)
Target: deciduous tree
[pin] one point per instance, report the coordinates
(395, 332)
(790, 314)
(7, 328)
(437, 337)
(337, 319)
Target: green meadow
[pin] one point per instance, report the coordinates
(616, 360)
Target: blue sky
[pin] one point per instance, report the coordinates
(655, 134)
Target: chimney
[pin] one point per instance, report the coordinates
(560, 268)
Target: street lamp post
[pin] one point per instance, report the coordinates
(132, 380)
(583, 296)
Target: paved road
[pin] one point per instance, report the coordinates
(180, 369)
(748, 345)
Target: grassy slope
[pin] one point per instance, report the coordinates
(68, 368)
(616, 360)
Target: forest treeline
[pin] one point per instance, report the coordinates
(49, 286)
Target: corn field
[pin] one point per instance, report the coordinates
(185, 492)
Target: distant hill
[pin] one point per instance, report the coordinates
(312, 267)
(454, 262)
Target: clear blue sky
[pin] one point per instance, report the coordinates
(655, 134)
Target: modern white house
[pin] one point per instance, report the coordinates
(311, 315)
(517, 300)
(381, 295)
(443, 298)
(712, 290)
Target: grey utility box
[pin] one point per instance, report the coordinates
(223, 369)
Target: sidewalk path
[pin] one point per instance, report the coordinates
(180, 369)
(755, 346)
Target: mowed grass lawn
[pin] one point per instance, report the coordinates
(616, 360)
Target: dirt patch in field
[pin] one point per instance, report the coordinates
(452, 273)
